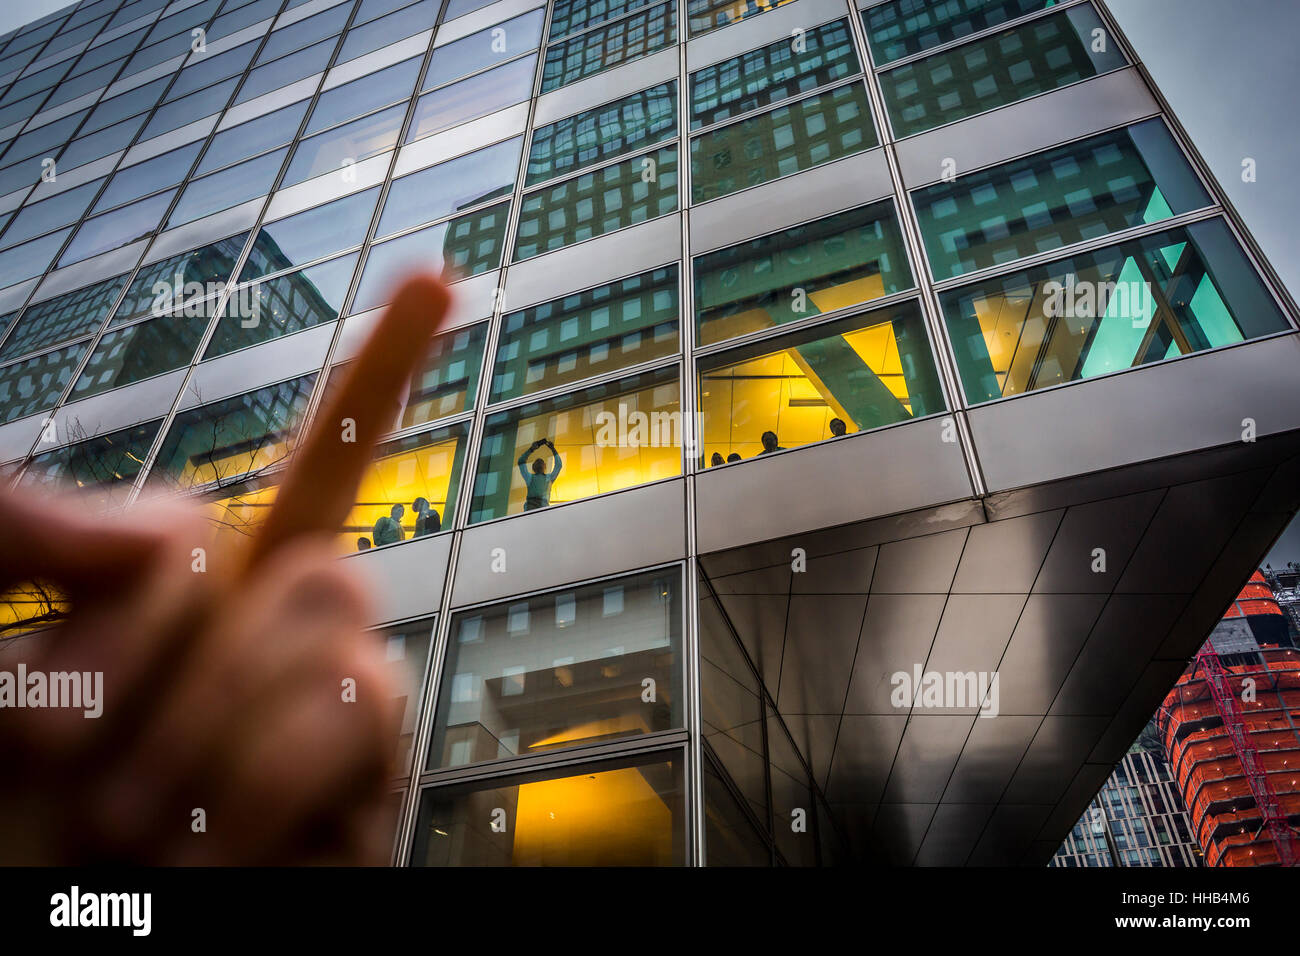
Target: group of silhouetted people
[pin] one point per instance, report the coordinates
(771, 443)
(388, 529)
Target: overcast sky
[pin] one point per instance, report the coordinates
(1230, 71)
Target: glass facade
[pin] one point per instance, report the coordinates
(190, 255)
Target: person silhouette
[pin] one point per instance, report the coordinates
(539, 482)
(769, 441)
(363, 544)
(388, 529)
(716, 460)
(734, 456)
(427, 520)
(838, 428)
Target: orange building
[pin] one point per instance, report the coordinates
(1231, 729)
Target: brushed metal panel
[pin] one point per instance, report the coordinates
(327, 186)
(1008, 835)
(864, 752)
(952, 833)
(898, 830)
(1059, 749)
(820, 641)
(845, 572)
(137, 402)
(208, 229)
(899, 468)
(1026, 127)
(88, 271)
(759, 620)
(459, 140)
(1147, 413)
(406, 579)
(897, 632)
(1006, 555)
(989, 758)
(926, 757)
(549, 547)
(17, 437)
(973, 634)
(284, 358)
(1114, 526)
(922, 565)
(1048, 637)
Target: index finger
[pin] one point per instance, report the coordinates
(320, 486)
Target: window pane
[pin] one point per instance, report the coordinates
(587, 333)
(40, 217)
(361, 96)
(560, 670)
(144, 178)
(406, 22)
(903, 27)
(345, 145)
(1018, 63)
(35, 384)
(87, 149)
(249, 139)
(136, 352)
(632, 814)
(609, 46)
(619, 127)
(407, 655)
(469, 99)
(269, 308)
(204, 70)
(230, 187)
(62, 317)
(607, 437)
(447, 383)
(706, 15)
(286, 70)
(771, 73)
(125, 104)
(310, 235)
(458, 8)
(178, 113)
(573, 15)
(1157, 297)
(817, 130)
(598, 202)
(465, 246)
(118, 228)
(409, 491)
(30, 258)
(1129, 177)
(861, 373)
(196, 269)
(822, 266)
(450, 187)
(233, 437)
(103, 468)
(484, 48)
(327, 24)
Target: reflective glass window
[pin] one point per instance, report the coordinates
(44, 139)
(598, 202)
(378, 89)
(102, 469)
(269, 308)
(607, 437)
(406, 651)
(235, 17)
(59, 210)
(1032, 58)
(34, 384)
(230, 187)
(343, 146)
(606, 47)
(860, 373)
(86, 149)
(588, 137)
(135, 352)
(458, 8)
(80, 85)
(901, 28)
(123, 105)
(324, 25)
(61, 318)
(1164, 295)
(588, 333)
(406, 22)
(161, 285)
(30, 258)
(1125, 178)
(561, 669)
(774, 72)
(484, 48)
(464, 247)
(233, 437)
(286, 70)
(311, 234)
(255, 136)
(706, 15)
(788, 139)
(477, 96)
(203, 69)
(571, 16)
(818, 267)
(146, 177)
(187, 109)
(449, 187)
(632, 814)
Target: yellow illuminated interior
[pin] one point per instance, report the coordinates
(241, 458)
(399, 479)
(839, 296)
(29, 607)
(782, 393)
(622, 725)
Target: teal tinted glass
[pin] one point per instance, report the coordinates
(269, 308)
(102, 468)
(32, 385)
(1023, 61)
(609, 46)
(1125, 178)
(905, 27)
(1141, 301)
(833, 263)
(588, 333)
(598, 202)
(788, 139)
(62, 318)
(136, 352)
(570, 16)
(706, 15)
(864, 372)
(786, 68)
(615, 128)
(208, 264)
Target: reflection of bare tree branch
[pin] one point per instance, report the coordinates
(28, 607)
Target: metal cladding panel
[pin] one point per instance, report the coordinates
(573, 542)
(1182, 406)
(900, 468)
(406, 579)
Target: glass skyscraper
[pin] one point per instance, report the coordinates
(869, 339)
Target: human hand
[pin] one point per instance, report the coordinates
(249, 691)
